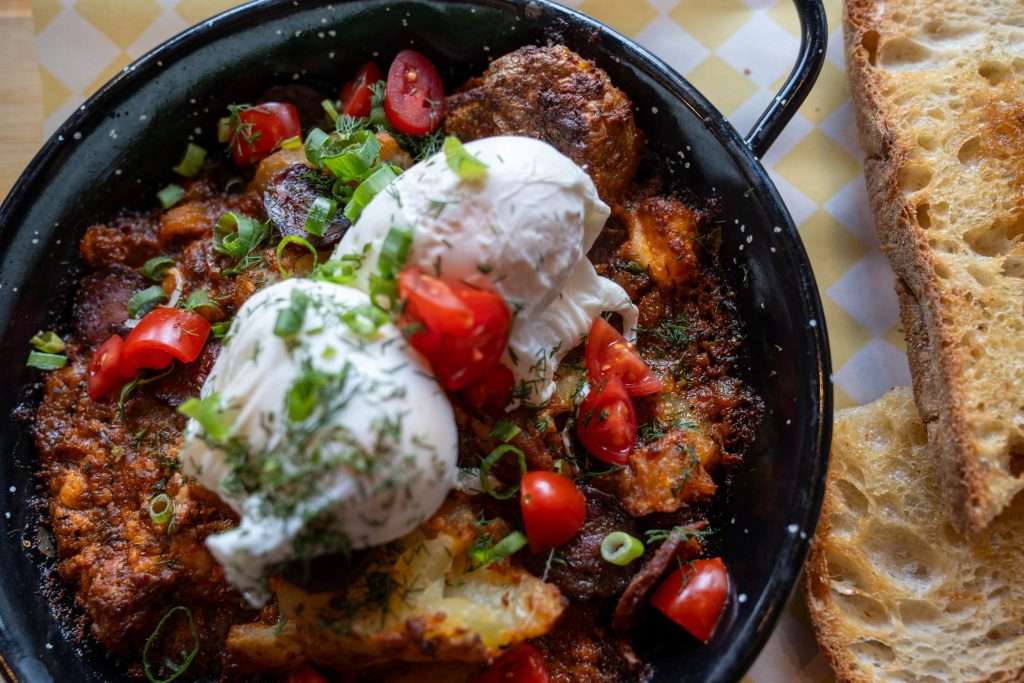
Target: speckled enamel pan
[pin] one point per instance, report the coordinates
(118, 148)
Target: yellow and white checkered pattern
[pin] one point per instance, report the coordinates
(737, 52)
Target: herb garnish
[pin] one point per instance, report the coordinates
(176, 669)
(466, 166)
(47, 341)
(145, 300)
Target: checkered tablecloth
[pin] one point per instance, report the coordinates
(737, 52)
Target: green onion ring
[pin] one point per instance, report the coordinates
(46, 361)
(320, 215)
(620, 548)
(192, 162)
(510, 545)
(293, 239)
(161, 508)
(490, 461)
(179, 667)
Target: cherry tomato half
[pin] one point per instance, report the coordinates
(356, 95)
(260, 129)
(608, 353)
(553, 509)
(306, 674)
(462, 330)
(414, 99)
(606, 422)
(694, 596)
(164, 335)
(492, 393)
(522, 664)
(105, 369)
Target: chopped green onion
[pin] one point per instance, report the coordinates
(304, 394)
(488, 464)
(47, 342)
(510, 545)
(45, 361)
(161, 508)
(367, 190)
(199, 299)
(293, 239)
(315, 142)
(356, 160)
(294, 142)
(154, 268)
(504, 430)
(337, 271)
(329, 108)
(236, 235)
(192, 162)
(394, 251)
(220, 330)
(383, 291)
(464, 164)
(145, 300)
(225, 128)
(320, 215)
(620, 548)
(364, 320)
(207, 412)
(289, 320)
(176, 668)
(170, 195)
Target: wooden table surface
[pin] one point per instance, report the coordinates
(21, 105)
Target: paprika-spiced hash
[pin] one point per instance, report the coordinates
(399, 386)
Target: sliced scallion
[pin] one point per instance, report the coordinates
(506, 547)
(145, 300)
(199, 299)
(329, 108)
(315, 142)
(207, 412)
(294, 142)
(383, 291)
(364, 320)
(154, 268)
(461, 162)
(225, 128)
(170, 195)
(504, 430)
(320, 215)
(47, 342)
(192, 162)
(161, 508)
(367, 190)
(220, 330)
(620, 548)
(176, 669)
(236, 235)
(354, 161)
(46, 361)
(293, 239)
(394, 251)
(488, 464)
(289, 320)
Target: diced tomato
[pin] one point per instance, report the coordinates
(356, 95)
(522, 664)
(608, 354)
(493, 392)
(414, 99)
(258, 131)
(306, 674)
(553, 509)
(606, 422)
(460, 329)
(162, 336)
(105, 369)
(694, 596)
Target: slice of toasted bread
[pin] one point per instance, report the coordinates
(938, 88)
(894, 591)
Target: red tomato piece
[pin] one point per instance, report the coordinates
(608, 353)
(356, 95)
(260, 129)
(492, 393)
(694, 596)
(553, 509)
(606, 422)
(105, 368)
(460, 329)
(414, 99)
(306, 674)
(162, 336)
(522, 664)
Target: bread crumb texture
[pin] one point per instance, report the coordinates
(896, 593)
(938, 86)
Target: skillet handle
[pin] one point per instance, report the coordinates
(813, 39)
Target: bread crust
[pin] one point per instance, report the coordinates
(932, 310)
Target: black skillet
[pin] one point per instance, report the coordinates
(117, 149)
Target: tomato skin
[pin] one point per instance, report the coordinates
(260, 129)
(694, 596)
(553, 508)
(414, 100)
(356, 96)
(163, 336)
(522, 664)
(463, 330)
(492, 393)
(606, 422)
(105, 368)
(306, 674)
(608, 353)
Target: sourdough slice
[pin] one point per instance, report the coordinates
(894, 591)
(938, 88)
